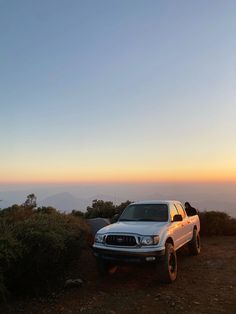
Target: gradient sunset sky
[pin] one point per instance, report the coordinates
(100, 91)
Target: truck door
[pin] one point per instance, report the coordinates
(186, 232)
(176, 227)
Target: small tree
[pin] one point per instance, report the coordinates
(77, 213)
(100, 208)
(30, 201)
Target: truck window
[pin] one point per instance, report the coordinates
(173, 211)
(180, 210)
(145, 212)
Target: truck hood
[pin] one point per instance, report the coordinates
(137, 227)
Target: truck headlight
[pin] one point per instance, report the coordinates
(99, 238)
(150, 240)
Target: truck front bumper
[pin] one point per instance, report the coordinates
(127, 256)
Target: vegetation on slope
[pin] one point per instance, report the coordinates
(36, 247)
(37, 244)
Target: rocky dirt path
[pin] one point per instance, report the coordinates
(205, 284)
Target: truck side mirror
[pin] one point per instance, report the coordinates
(177, 218)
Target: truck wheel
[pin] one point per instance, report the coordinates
(167, 268)
(195, 244)
(103, 267)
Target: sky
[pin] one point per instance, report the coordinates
(117, 91)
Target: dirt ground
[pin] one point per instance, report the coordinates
(205, 284)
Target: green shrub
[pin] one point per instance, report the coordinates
(36, 248)
(10, 253)
(3, 290)
(16, 213)
(105, 209)
(217, 223)
(78, 213)
(100, 208)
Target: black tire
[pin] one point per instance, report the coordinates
(195, 244)
(103, 267)
(167, 267)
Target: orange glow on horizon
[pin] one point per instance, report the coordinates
(127, 177)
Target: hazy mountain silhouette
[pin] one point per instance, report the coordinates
(65, 201)
(219, 197)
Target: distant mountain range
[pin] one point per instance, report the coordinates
(210, 199)
(64, 201)
(67, 202)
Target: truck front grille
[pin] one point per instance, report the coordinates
(121, 240)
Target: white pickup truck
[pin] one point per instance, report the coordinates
(150, 232)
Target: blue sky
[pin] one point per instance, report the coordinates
(105, 90)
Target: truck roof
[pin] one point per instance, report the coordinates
(156, 202)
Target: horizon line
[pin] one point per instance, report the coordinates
(114, 182)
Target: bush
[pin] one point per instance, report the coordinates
(15, 213)
(78, 213)
(36, 247)
(100, 208)
(104, 209)
(3, 290)
(217, 223)
(10, 253)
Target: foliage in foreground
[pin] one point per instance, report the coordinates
(36, 247)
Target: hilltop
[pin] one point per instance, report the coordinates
(205, 284)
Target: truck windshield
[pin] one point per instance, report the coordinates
(145, 212)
